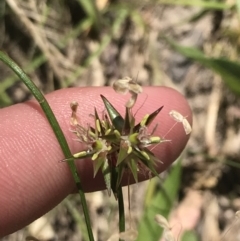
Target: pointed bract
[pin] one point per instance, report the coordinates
(115, 117)
(149, 120)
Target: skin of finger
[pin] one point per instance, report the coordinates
(32, 179)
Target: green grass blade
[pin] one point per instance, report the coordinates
(121, 211)
(213, 5)
(160, 204)
(228, 70)
(91, 10)
(238, 8)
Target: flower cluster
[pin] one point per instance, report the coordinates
(117, 144)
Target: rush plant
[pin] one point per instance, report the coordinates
(118, 145)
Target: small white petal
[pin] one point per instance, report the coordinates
(121, 86)
(176, 115)
(187, 127)
(180, 118)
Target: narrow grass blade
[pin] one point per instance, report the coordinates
(228, 70)
(56, 129)
(160, 204)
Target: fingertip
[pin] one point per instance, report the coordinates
(151, 99)
(31, 152)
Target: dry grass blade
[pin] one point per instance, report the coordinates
(56, 60)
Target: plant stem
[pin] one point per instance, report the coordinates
(121, 210)
(56, 129)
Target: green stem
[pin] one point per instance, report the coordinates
(57, 130)
(121, 210)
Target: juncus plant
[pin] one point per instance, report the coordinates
(117, 145)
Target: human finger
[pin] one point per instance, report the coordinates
(34, 180)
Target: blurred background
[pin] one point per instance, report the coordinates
(192, 46)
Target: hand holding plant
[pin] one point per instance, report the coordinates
(118, 145)
(32, 179)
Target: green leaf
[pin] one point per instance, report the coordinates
(161, 203)
(214, 5)
(228, 70)
(116, 119)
